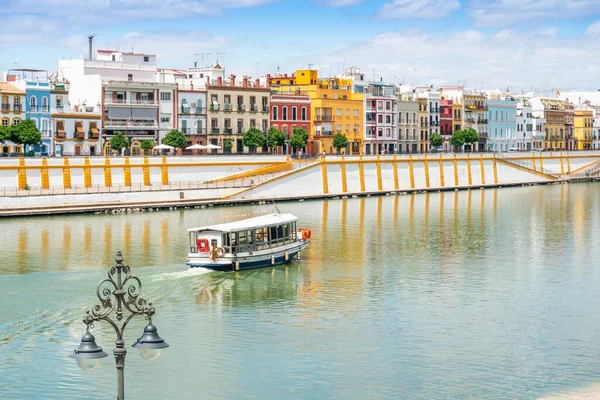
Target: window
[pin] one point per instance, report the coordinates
(113, 57)
(380, 119)
(4, 121)
(294, 113)
(130, 77)
(59, 102)
(285, 130)
(146, 59)
(165, 119)
(240, 126)
(275, 113)
(165, 96)
(338, 112)
(33, 103)
(347, 112)
(338, 127)
(303, 113)
(388, 119)
(44, 104)
(355, 112)
(252, 123)
(16, 121)
(347, 128)
(388, 105)
(265, 125)
(284, 114)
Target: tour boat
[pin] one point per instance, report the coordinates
(250, 243)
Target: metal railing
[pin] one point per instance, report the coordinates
(5, 107)
(528, 165)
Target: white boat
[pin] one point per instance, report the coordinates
(250, 243)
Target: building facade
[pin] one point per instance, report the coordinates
(11, 112)
(502, 125)
(584, 127)
(446, 122)
(408, 123)
(233, 108)
(423, 117)
(381, 129)
(569, 126)
(475, 117)
(288, 112)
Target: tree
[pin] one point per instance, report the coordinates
(175, 138)
(28, 133)
(299, 138)
(275, 138)
(147, 144)
(458, 138)
(436, 140)
(471, 136)
(253, 138)
(228, 143)
(340, 141)
(119, 141)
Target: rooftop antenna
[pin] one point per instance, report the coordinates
(91, 39)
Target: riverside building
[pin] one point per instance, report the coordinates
(11, 113)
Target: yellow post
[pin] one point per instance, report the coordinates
(44, 174)
(395, 165)
(127, 172)
(455, 166)
(324, 176)
(343, 173)
(164, 171)
(541, 162)
(22, 174)
(469, 178)
(146, 172)
(66, 175)
(481, 169)
(533, 161)
(87, 173)
(378, 167)
(361, 174)
(441, 164)
(568, 163)
(411, 172)
(426, 170)
(107, 173)
(495, 170)
(562, 168)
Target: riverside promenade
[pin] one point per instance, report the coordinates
(71, 185)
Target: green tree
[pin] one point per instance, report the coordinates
(228, 143)
(458, 138)
(253, 138)
(340, 141)
(471, 136)
(275, 138)
(299, 138)
(175, 138)
(436, 140)
(147, 144)
(119, 141)
(28, 133)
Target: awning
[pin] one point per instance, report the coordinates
(79, 129)
(144, 113)
(95, 131)
(119, 113)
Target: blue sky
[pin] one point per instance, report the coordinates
(492, 44)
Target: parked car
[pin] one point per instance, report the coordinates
(513, 150)
(537, 150)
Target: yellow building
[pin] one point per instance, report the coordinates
(554, 112)
(584, 122)
(334, 108)
(11, 113)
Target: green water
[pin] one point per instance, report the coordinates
(482, 294)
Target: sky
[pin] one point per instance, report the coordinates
(491, 44)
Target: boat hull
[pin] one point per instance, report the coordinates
(251, 261)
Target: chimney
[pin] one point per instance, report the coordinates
(257, 83)
(220, 81)
(245, 83)
(232, 80)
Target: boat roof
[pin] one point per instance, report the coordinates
(250, 223)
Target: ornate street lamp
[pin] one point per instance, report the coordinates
(119, 293)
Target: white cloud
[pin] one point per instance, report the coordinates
(420, 9)
(508, 12)
(339, 3)
(593, 30)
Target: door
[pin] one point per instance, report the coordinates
(77, 150)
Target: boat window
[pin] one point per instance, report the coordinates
(225, 242)
(286, 232)
(193, 248)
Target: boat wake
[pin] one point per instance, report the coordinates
(179, 274)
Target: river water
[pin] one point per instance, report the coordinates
(478, 294)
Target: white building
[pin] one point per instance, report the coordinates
(133, 98)
(596, 126)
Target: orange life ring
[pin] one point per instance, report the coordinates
(202, 245)
(305, 234)
(220, 252)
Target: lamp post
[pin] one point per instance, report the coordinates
(118, 294)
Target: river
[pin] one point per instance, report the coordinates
(481, 294)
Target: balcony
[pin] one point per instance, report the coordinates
(116, 123)
(200, 131)
(44, 109)
(215, 131)
(265, 108)
(241, 107)
(215, 107)
(33, 109)
(127, 102)
(227, 107)
(199, 110)
(324, 133)
(482, 121)
(228, 131)
(324, 118)
(253, 108)
(59, 106)
(17, 107)
(5, 107)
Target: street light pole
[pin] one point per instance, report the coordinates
(118, 294)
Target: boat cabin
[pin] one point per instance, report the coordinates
(246, 236)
